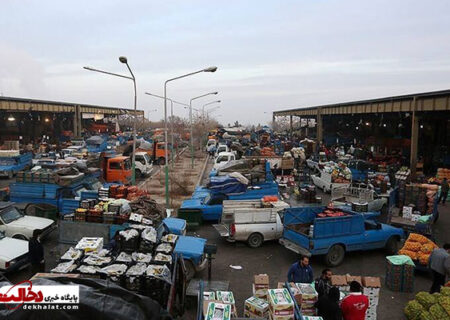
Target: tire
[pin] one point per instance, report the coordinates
(138, 174)
(255, 240)
(335, 255)
(190, 269)
(20, 237)
(384, 210)
(391, 246)
(161, 161)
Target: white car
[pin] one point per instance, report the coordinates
(143, 164)
(17, 225)
(222, 159)
(13, 253)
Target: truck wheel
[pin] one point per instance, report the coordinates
(335, 255)
(138, 174)
(161, 161)
(190, 269)
(391, 246)
(255, 240)
(384, 210)
(20, 237)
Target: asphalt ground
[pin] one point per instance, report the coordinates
(275, 260)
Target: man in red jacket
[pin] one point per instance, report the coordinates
(354, 305)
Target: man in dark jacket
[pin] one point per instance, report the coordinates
(301, 271)
(36, 254)
(323, 283)
(328, 305)
(444, 191)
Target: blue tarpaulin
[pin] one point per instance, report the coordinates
(226, 185)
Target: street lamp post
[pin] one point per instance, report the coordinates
(207, 104)
(166, 167)
(171, 112)
(190, 119)
(124, 60)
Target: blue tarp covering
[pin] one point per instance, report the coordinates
(226, 185)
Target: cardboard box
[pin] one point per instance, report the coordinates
(415, 217)
(353, 278)
(295, 291)
(371, 282)
(248, 314)
(276, 317)
(218, 311)
(261, 281)
(407, 212)
(308, 292)
(225, 297)
(256, 306)
(206, 304)
(209, 295)
(312, 318)
(371, 292)
(280, 302)
(338, 281)
(259, 293)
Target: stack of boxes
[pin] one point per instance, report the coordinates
(260, 286)
(309, 297)
(281, 305)
(256, 308)
(371, 289)
(219, 305)
(341, 283)
(399, 275)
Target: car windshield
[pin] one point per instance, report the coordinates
(10, 214)
(206, 199)
(147, 158)
(127, 164)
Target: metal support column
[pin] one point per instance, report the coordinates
(75, 122)
(80, 123)
(290, 126)
(414, 140)
(306, 128)
(319, 127)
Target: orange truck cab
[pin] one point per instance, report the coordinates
(117, 169)
(157, 152)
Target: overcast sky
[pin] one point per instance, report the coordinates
(270, 55)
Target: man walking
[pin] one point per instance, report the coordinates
(301, 271)
(439, 264)
(355, 305)
(444, 191)
(36, 253)
(323, 283)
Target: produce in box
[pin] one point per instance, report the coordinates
(444, 301)
(445, 291)
(413, 310)
(425, 299)
(438, 312)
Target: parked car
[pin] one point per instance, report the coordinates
(359, 194)
(17, 225)
(144, 165)
(222, 159)
(308, 234)
(13, 253)
(249, 221)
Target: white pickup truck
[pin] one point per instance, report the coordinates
(249, 221)
(13, 253)
(359, 194)
(17, 225)
(143, 164)
(323, 180)
(222, 159)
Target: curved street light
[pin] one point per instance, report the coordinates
(166, 167)
(124, 60)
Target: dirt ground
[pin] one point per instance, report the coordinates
(183, 179)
